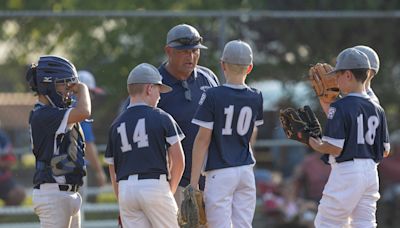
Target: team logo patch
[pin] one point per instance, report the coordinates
(202, 98)
(204, 88)
(331, 112)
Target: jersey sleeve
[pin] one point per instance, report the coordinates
(174, 132)
(109, 154)
(54, 119)
(335, 130)
(204, 116)
(260, 118)
(385, 134)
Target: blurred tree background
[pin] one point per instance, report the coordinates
(110, 46)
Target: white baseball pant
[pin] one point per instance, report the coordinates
(57, 208)
(147, 203)
(350, 196)
(230, 197)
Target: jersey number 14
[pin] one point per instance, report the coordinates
(139, 135)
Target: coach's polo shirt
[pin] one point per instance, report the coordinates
(182, 109)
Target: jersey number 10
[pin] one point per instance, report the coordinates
(373, 123)
(243, 123)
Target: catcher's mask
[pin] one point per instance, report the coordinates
(53, 72)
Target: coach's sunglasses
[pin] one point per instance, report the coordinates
(189, 41)
(188, 94)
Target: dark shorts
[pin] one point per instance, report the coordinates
(5, 187)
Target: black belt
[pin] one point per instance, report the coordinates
(64, 187)
(142, 176)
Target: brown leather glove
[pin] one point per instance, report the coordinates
(325, 85)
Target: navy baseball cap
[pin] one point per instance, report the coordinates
(350, 59)
(184, 36)
(237, 52)
(145, 73)
(372, 56)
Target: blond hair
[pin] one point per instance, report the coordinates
(236, 69)
(136, 89)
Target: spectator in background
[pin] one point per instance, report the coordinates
(91, 150)
(310, 177)
(12, 193)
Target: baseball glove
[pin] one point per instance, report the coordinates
(300, 124)
(324, 85)
(192, 213)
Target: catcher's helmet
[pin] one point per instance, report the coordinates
(51, 70)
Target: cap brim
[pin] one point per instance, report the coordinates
(165, 88)
(333, 72)
(185, 47)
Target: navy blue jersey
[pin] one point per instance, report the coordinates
(48, 127)
(231, 111)
(359, 126)
(138, 141)
(182, 104)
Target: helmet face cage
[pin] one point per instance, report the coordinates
(52, 71)
(68, 96)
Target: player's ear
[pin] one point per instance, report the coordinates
(222, 65)
(249, 69)
(148, 88)
(168, 50)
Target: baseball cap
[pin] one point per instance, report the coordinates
(237, 52)
(184, 36)
(145, 73)
(350, 59)
(372, 56)
(87, 78)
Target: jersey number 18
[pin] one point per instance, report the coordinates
(369, 137)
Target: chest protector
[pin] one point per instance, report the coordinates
(71, 147)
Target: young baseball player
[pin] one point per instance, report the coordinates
(373, 58)
(227, 115)
(374, 61)
(57, 141)
(355, 140)
(145, 155)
